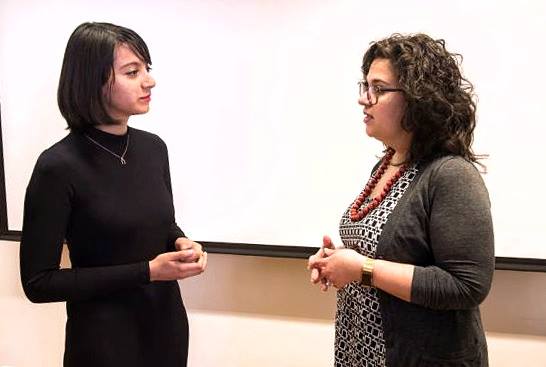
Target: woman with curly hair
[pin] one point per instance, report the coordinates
(417, 256)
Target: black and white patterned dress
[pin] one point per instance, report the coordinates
(359, 331)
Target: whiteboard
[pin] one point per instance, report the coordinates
(257, 102)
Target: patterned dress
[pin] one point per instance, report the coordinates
(359, 331)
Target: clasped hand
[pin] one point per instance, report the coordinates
(334, 267)
(187, 261)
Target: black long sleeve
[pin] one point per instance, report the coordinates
(115, 218)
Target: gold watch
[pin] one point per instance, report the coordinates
(367, 272)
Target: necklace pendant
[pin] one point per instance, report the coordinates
(123, 161)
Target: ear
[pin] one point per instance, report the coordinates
(408, 123)
(109, 83)
(107, 89)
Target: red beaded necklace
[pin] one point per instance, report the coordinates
(358, 212)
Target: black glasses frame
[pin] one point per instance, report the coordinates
(373, 92)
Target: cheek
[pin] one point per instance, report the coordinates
(396, 113)
(119, 96)
(397, 118)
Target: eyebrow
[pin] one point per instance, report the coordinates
(132, 63)
(377, 80)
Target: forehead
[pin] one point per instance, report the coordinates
(382, 70)
(123, 55)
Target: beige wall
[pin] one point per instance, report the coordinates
(255, 311)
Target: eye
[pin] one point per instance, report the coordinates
(377, 89)
(132, 73)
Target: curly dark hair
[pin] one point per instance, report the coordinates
(441, 111)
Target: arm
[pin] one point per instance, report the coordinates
(48, 203)
(174, 232)
(461, 241)
(176, 238)
(342, 266)
(48, 206)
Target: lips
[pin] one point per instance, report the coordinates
(146, 98)
(367, 117)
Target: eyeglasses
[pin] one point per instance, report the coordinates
(372, 92)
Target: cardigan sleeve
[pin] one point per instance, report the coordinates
(460, 240)
(48, 205)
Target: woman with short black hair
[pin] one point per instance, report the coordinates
(105, 189)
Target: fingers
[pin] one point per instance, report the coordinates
(328, 251)
(318, 262)
(183, 243)
(197, 248)
(185, 256)
(321, 252)
(315, 276)
(327, 242)
(177, 265)
(195, 268)
(313, 258)
(319, 275)
(186, 270)
(324, 284)
(203, 261)
(317, 279)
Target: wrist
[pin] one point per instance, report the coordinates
(366, 271)
(151, 271)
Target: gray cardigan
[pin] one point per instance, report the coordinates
(442, 225)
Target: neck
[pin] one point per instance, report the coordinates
(401, 154)
(401, 149)
(399, 157)
(118, 129)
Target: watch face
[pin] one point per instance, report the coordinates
(366, 279)
(367, 271)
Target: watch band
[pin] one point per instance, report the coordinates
(367, 272)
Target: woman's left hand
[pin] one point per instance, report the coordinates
(183, 243)
(339, 267)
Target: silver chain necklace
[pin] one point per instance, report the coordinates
(120, 157)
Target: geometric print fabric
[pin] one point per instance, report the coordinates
(359, 332)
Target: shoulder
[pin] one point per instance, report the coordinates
(146, 137)
(452, 169)
(58, 161)
(147, 142)
(453, 174)
(58, 155)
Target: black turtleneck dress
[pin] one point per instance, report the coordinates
(114, 218)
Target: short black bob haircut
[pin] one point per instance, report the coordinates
(87, 66)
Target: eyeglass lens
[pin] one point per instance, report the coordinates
(367, 91)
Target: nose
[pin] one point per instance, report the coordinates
(364, 101)
(148, 82)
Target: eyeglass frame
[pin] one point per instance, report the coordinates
(377, 91)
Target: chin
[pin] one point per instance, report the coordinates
(141, 112)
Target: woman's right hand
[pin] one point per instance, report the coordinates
(177, 265)
(315, 272)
